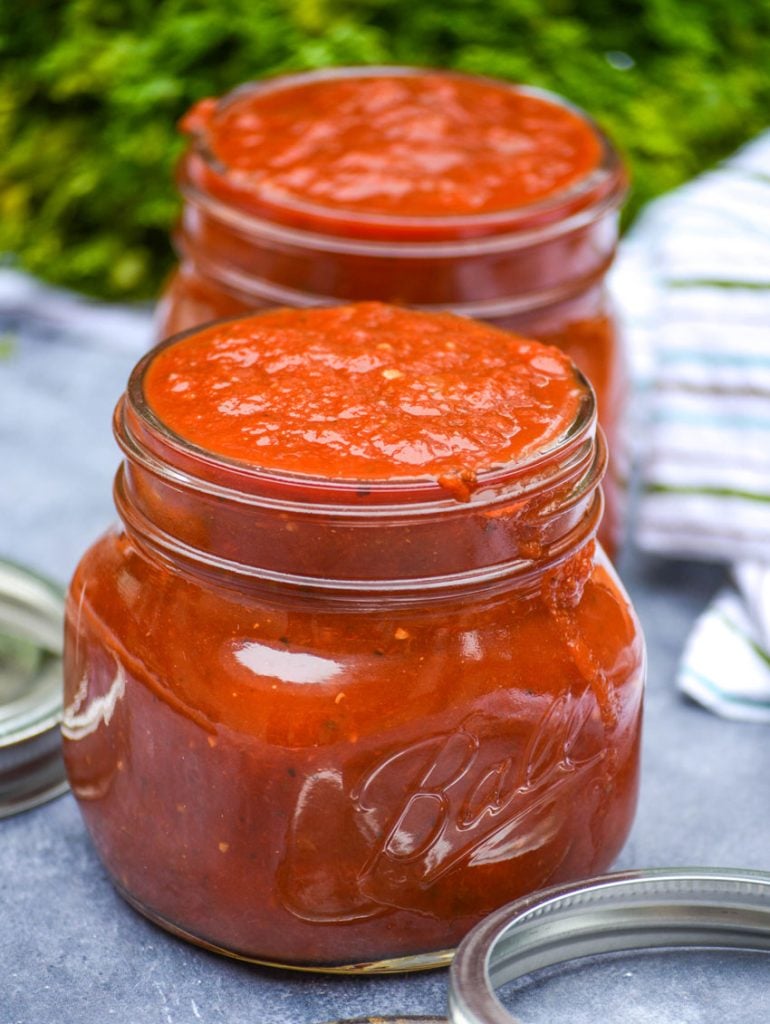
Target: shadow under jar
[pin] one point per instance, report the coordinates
(436, 190)
(329, 723)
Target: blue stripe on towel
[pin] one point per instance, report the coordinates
(708, 684)
(709, 419)
(682, 355)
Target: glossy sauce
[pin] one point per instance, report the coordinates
(424, 145)
(362, 392)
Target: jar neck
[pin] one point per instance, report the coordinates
(261, 263)
(381, 537)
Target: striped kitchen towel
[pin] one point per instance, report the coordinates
(726, 662)
(693, 285)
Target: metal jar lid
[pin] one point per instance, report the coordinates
(692, 908)
(31, 616)
(635, 910)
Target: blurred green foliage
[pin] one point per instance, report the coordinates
(90, 91)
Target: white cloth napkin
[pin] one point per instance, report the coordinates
(693, 285)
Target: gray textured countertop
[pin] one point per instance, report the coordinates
(71, 952)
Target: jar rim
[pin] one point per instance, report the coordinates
(582, 201)
(137, 426)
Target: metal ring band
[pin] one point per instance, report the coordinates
(703, 908)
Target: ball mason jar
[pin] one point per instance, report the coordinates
(537, 269)
(321, 725)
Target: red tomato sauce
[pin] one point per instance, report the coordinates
(419, 145)
(365, 391)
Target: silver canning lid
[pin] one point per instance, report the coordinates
(31, 616)
(695, 908)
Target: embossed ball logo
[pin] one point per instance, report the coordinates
(472, 797)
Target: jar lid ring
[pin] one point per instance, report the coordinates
(655, 909)
(31, 619)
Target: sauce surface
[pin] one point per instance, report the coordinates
(416, 145)
(367, 391)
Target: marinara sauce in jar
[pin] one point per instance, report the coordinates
(353, 671)
(425, 188)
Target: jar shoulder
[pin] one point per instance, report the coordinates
(251, 660)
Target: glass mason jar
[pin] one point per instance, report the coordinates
(323, 725)
(537, 269)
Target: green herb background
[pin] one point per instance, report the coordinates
(90, 91)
